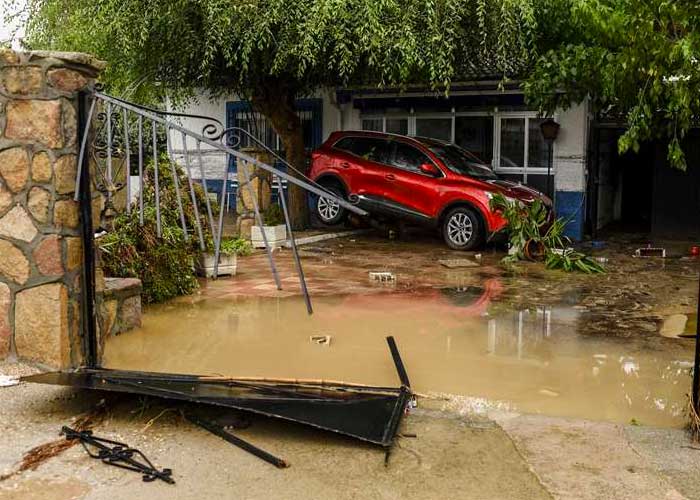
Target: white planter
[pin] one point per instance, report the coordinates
(227, 265)
(276, 236)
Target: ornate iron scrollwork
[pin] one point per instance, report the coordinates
(108, 151)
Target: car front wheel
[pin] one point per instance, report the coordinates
(461, 229)
(329, 211)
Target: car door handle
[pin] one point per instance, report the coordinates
(390, 177)
(345, 164)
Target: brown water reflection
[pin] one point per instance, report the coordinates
(531, 360)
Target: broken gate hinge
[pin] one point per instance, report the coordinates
(119, 455)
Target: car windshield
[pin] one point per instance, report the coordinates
(461, 161)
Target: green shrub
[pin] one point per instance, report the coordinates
(231, 246)
(165, 264)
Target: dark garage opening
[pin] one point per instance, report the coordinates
(638, 192)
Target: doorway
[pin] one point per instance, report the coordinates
(620, 185)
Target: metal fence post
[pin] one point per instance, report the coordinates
(89, 324)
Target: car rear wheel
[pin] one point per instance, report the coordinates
(461, 229)
(329, 211)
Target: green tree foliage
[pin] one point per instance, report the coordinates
(220, 45)
(634, 58)
(274, 51)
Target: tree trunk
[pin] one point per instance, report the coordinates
(275, 100)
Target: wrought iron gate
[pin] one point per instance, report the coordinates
(119, 137)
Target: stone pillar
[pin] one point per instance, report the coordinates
(261, 181)
(40, 246)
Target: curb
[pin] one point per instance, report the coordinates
(326, 236)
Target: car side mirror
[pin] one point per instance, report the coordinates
(430, 169)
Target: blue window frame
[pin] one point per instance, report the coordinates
(239, 114)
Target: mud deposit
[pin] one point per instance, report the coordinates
(453, 341)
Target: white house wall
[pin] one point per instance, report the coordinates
(213, 161)
(570, 149)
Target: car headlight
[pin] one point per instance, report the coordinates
(509, 199)
(515, 201)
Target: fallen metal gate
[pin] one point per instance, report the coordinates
(368, 413)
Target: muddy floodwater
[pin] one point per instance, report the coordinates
(452, 342)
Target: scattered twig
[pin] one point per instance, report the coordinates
(153, 420)
(40, 454)
(693, 421)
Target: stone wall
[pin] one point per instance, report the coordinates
(119, 309)
(40, 246)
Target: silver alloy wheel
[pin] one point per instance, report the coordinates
(327, 209)
(460, 228)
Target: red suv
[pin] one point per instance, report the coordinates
(422, 180)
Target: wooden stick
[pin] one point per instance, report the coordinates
(289, 381)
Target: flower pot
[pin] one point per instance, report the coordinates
(533, 250)
(227, 265)
(276, 236)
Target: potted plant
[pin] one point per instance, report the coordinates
(274, 227)
(229, 251)
(532, 237)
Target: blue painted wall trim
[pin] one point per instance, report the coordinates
(569, 206)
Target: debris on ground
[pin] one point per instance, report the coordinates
(117, 454)
(40, 454)
(693, 421)
(8, 380)
(321, 339)
(456, 263)
(368, 413)
(650, 252)
(382, 277)
(674, 325)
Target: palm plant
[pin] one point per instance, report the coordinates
(533, 237)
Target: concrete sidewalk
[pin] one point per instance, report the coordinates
(578, 459)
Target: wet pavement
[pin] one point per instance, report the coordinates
(529, 340)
